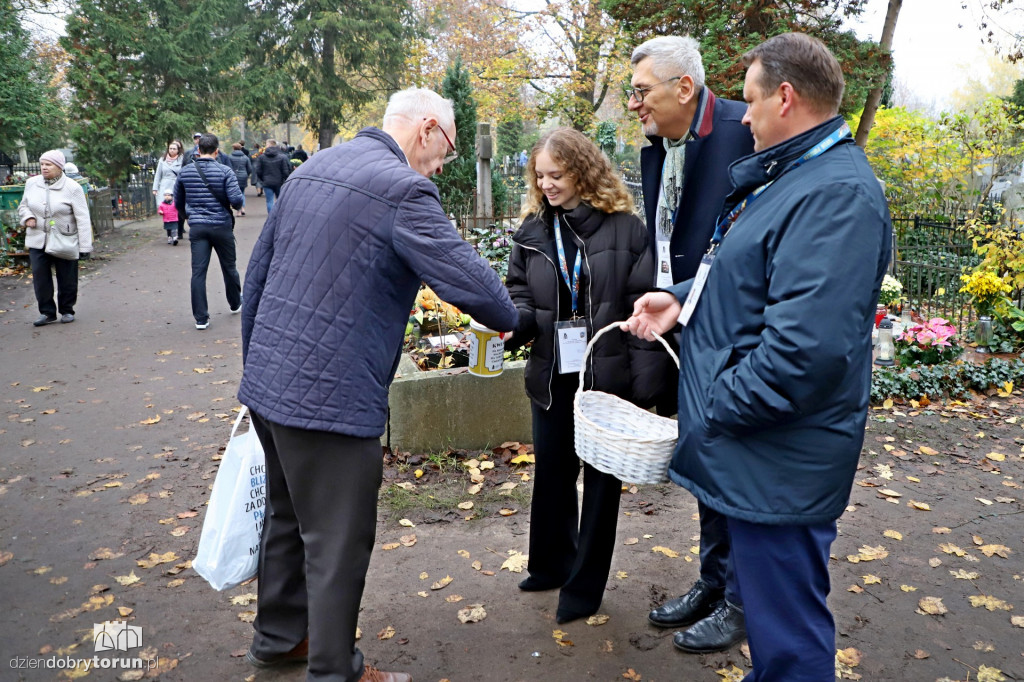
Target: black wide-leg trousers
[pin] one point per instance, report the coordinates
(569, 546)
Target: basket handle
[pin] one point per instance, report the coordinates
(614, 325)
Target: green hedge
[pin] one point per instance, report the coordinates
(953, 380)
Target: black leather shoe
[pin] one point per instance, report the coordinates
(532, 584)
(695, 605)
(297, 655)
(719, 631)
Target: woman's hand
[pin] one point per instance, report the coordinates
(31, 222)
(653, 313)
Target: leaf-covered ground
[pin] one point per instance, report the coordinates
(113, 428)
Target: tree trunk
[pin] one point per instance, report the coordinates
(327, 127)
(867, 119)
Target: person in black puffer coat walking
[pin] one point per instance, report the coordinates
(272, 169)
(580, 257)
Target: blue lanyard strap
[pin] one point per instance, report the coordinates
(572, 282)
(725, 223)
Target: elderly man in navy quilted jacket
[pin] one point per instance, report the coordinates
(204, 194)
(327, 297)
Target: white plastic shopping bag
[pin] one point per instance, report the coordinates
(229, 547)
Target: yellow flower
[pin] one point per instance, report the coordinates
(982, 284)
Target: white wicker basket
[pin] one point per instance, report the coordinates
(617, 437)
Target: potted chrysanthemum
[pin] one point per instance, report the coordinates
(891, 294)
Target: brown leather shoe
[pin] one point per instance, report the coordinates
(297, 655)
(371, 674)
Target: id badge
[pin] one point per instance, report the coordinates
(571, 342)
(695, 291)
(664, 278)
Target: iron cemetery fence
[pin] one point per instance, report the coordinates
(929, 258)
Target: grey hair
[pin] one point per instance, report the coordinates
(672, 56)
(415, 103)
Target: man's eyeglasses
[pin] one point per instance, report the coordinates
(454, 155)
(639, 93)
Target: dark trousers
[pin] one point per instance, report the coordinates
(569, 547)
(782, 574)
(204, 239)
(43, 267)
(318, 535)
(715, 565)
(715, 562)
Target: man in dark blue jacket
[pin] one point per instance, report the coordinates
(775, 351)
(204, 194)
(327, 297)
(694, 137)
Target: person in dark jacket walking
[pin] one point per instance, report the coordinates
(205, 193)
(776, 351)
(327, 297)
(300, 154)
(242, 167)
(694, 137)
(192, 154)
(272, 168)
(578, 262)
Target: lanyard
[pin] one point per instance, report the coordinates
(572, 282)
(725, 223)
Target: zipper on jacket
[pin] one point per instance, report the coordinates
(558, 306)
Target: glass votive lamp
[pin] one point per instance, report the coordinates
(886, 350)
(983, 334)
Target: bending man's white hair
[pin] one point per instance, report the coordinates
(415, 103)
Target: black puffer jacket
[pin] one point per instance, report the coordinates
(273, 168)
(617, 268)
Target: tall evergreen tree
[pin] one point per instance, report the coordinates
(510, 136)
(1017, 97)
(457, 184)
(30, 108)
(193, 57)
(146, 71)
(109, 105)
(334, 58)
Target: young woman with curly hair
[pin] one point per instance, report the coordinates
(579, 261)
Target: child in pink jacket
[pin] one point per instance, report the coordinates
(170, 213)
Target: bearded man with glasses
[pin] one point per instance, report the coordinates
(694, 136)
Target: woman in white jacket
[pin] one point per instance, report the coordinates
(166, 175)
(52, 198)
